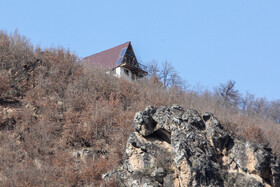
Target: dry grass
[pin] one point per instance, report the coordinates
(64, 107)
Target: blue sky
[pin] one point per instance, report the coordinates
(208, 41)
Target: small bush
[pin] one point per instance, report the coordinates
(253, 133)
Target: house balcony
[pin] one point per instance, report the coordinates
(132, 64)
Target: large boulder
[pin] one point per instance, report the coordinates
(177, 147)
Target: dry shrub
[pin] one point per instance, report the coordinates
(253, 133)
(112, 183)
(4, 83)
(91, 173)
(271, 135)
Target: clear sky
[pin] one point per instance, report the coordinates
(208, 41)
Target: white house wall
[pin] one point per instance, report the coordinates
(120, 72)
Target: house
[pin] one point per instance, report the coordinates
(120, 62)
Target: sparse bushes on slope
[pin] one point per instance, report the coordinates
(4, 85)
(65, 107)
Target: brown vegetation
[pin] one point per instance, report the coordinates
(51, 106)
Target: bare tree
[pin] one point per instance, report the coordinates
(261, 107)
(153, 69)
(247, 103)
(166, 73)
(274, 111)
(228, 94)
(169, 76)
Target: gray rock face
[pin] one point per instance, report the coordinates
(177, 147)
(143, 121)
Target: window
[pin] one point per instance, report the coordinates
(126, 72)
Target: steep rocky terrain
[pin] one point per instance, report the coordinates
(177, 147)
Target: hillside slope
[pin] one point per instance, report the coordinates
(66, 124)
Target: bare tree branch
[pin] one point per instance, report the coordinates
(228, 94)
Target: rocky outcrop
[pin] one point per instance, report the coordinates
(177, 147)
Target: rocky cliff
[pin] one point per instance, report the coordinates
(177, 147)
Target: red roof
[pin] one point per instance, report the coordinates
(109, 57)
